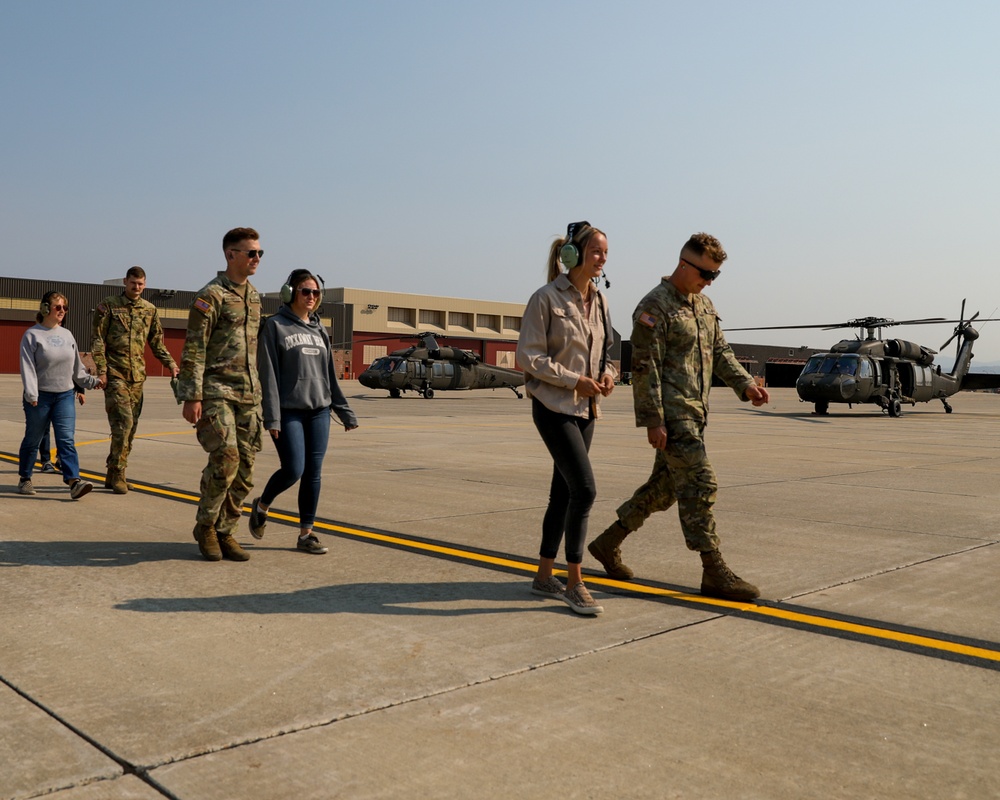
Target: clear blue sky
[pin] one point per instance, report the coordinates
(845, 153)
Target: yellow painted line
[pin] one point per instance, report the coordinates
(928, 642)
(814, 621)
(810, 620)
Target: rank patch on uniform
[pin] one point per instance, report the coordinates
(647, 319)
(202, 305)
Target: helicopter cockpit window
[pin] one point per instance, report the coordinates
(832, 365)
(381, 364)
(845, 365)
(864, 368)
(813, 365)
(401, 365)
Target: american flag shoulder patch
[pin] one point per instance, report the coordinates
(102, 309)
(647, 319)
(202, 305)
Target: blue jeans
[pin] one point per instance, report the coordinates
(45, 448)
(301, 447)
(59, 410)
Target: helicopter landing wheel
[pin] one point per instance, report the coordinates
(895, 407)
(947, 407)
(395, 393)
(429, 394)
(822, 408)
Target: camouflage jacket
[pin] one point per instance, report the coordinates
(120, 331)
(220, 352)
(677, 346)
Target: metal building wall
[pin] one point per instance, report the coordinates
(20, 298)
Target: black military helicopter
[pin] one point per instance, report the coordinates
(887, 372)
(427, 367)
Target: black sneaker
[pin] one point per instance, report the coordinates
(258, 519)
(79, 488)
(310, 544)
(48, 467)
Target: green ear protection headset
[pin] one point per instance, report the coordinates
(288, 289)
(44, 307)
(569, 253)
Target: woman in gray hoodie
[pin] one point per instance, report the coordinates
(52, 373)
(300, 390)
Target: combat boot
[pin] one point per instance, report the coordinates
(115, 481)
(231, 548)
(208, 543)
(717, 580)
(606, 548)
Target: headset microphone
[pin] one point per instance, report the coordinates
(597, 280)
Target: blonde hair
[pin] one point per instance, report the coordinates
(47, 299)
(580, 238)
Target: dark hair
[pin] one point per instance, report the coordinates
(300, 276)
(702, 244)
(237, 235)
(136, 272)
(580, 238)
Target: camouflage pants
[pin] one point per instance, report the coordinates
(123, 402)
(231, 435)
(681, 474)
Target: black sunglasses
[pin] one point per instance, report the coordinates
(307, 292)
(706, 274)
(250, 253)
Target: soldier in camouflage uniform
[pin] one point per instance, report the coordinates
(123, 324)
(677, 347)
(220, 388)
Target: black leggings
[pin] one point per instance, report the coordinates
(573, 489)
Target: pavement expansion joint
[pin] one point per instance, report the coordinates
(126, 766)
(887, 571)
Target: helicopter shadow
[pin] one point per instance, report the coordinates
(801, 416)
(393, 599)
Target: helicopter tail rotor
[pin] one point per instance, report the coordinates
(961, 330)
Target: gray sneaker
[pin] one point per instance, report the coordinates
(550, 587)
(310, 544)
(579, 599)
(25, 486)
(79, 488)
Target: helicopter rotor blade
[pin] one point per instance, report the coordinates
(925, 321)
(961, 327)
(868, 322)
(786, 327)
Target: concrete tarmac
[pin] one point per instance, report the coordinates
(411, 660)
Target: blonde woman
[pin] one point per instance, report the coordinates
(563, 349)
